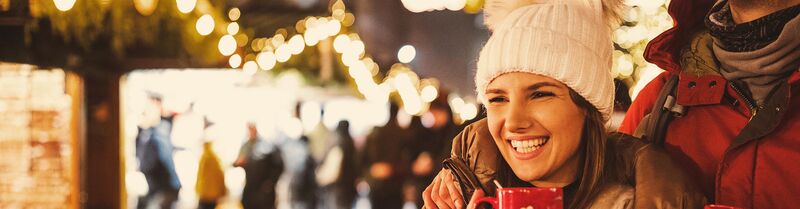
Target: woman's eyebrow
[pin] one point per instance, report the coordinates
(540, 85)
(532, 87)
(495, 91)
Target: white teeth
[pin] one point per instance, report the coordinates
(528, 145)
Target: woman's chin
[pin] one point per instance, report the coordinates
(526, 174)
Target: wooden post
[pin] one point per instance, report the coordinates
(325, 60)
(74, 88)
(103, 149)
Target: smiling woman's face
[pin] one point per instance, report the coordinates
(537, 127)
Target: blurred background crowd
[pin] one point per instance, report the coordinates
(320, 150)
(254, 103)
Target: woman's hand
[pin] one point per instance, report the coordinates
(475, 196)
(443, 193)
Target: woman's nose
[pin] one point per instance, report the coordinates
(517, 119)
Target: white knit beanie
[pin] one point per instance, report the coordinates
(565, 40)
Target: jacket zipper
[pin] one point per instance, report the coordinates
(750, 103)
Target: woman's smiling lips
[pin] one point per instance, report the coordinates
(526, 147)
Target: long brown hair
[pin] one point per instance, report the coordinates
(592, 174)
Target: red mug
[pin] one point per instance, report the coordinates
(525, 198)
(712, 206)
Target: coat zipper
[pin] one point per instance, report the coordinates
(750, 103)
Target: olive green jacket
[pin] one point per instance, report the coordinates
(653, 179)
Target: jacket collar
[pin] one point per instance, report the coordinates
(701, 82)
(686, 49)
(688, 16)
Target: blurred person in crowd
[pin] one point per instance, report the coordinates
(210, 185)
(154, 150)
(736, 67)
(548, 98)
(384, 162)
(432, 144)
(338, 173)
(263, 164)
(187, 130)
(320, 137)
(298, 179)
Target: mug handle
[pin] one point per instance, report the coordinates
(489, 200)
(713, 206)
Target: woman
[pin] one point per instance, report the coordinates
(544, 77)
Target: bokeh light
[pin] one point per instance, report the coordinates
(227, 45)
(205, 25)
(406, 54)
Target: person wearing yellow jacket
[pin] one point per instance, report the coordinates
(210, 185)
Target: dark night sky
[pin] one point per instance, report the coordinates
(447, 42)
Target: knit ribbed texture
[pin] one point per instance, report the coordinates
(569, 42)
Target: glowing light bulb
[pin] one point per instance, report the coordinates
(406, 54)
(64, 5)
(266, 60)
(227, 45)
(456, 103)
(468, 112)
(282, 54)
(234, 14)
(186, 6)
(235, 61)
(204, 25)
(250, 67)
(278, 40)
(357, 48)
(349, 59)
(233, 28)
(624, 65)
(429, 93)
(341, 42)
(145, 7)
(333, 27)
(455, 5)
(296, 44)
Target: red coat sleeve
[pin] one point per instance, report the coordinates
(643, 104)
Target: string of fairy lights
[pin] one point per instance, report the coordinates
(643, 20)
(261, 54)
(415, 93)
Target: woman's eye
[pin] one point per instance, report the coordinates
(540, 94)
(497, 100)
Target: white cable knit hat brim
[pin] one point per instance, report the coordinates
(567, 42)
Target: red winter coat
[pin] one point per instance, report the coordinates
(738, 159)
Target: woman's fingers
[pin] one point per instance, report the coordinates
(475, 195)
(444, 191)
(426, 198)
(436, 196)
(453, 190)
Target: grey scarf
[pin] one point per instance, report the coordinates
(764, 68)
